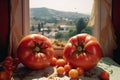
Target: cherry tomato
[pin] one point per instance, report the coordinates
(80, 71)
(5, 75)
(60, 70)
(6, 63)
(16, 61)
(67, 68)
(61, 62)
(53, 62)
(104, 75)
(9, 58)
(73, 73)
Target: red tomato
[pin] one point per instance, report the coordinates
(83, 50)
(9, 58)
(80, 71)
(53, 62)
(67, 68)
(16, 61)
(5, 75)
(35, 51)
(104, 75)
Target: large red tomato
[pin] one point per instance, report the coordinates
(35, 51)
(83, 50)
(5, 75)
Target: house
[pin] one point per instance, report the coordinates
(52, 26)
(66, 28)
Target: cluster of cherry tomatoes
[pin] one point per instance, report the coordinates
(9, 64)
(64, 68)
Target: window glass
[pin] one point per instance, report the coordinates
(60, 19)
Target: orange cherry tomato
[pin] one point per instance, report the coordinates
(61, 62)
(60, 70)
(73, 73)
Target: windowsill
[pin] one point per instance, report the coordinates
(50, 72)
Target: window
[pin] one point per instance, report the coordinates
(60, 19)
(101, 20)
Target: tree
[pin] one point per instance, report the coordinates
(71, 33)
(49, 30)
(88, 30)
(39, 27)
(59, 35)
(42, 28)
(81, 24)
(32, 28)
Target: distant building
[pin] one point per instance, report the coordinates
(66, 28)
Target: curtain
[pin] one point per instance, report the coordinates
(17, 24)
(116, 24)
(116, 18)
(4, 28)
(100, 20)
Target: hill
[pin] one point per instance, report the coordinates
(46, 13)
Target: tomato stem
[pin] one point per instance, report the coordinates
(79, 48)
(38, 47)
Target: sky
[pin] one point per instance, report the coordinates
(80, 6)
